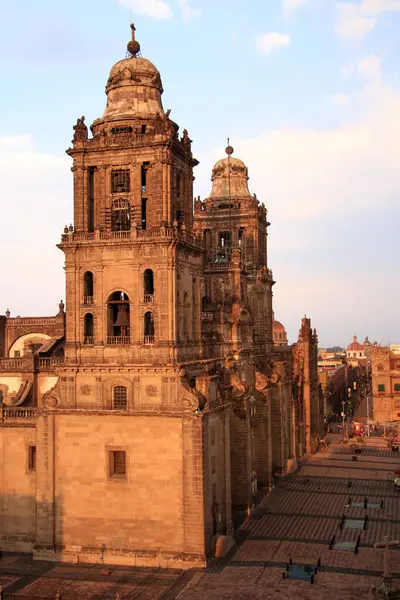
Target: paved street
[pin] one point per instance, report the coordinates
(296, 521)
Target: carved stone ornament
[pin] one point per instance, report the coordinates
(86, 390)
(151, 391)
(261, 381)
(188, 402)
(52, 397)
(238, 387)
(51, 402)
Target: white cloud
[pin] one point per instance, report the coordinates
(37, 193)
(352, 23)
(290, 6)
(370, 67)
(340, 99)
(188, 12)
(357, 20)
(268, 42)
(309, 173)
(347, 70)
(156, 9)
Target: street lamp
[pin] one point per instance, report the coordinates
(343, 414)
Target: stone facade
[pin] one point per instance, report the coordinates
(385, 364)
(139, 419)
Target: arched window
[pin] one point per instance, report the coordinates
(88, 329)
(118, 319)
(148, 328)
(120, 397)
(88, 288)
(120, 215)
(148, 281)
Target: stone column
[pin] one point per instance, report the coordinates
(45, 487)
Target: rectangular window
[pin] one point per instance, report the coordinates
(213, 436)
(381, 387)
(144, 213)
(213, 466)
(31, 458)
(225, 239)
(90, 206)
(117, 463)
(120, 397)
(144, 169)
(120, 181)
(397, 387)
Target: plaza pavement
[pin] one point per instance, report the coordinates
(296, 521)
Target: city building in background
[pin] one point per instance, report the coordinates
(279, 333)
(385, 361)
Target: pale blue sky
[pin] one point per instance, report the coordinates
(308, 92)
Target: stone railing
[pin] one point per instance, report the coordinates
(115, 235)
(32, 321)
(118, 340)
(88, 300)
(148, 340)
(12, 414)
(17, 364)
(133, 234)
(50, 361)
(148, 299)
(207, 316)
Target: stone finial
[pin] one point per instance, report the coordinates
(66, 229)
(229, 150)
(71, 228)
(61, 307)
(8, 313)
(80, 130)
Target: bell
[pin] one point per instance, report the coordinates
(122, 317)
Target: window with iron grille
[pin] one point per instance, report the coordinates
(117, 463)
(121, 217)
(120, 181)
(381, 387)
(120, 397)
(31, 458)
(397, 387)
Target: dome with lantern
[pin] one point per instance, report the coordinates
(279, 333)
(134, 86)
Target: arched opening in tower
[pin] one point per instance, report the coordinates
(118, 319)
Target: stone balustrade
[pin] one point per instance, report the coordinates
(12, 414)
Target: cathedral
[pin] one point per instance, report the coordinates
(139, 423)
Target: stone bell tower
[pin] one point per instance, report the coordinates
(124, 415)
(237, 294)
(132, 263)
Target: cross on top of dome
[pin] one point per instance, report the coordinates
(133, 46)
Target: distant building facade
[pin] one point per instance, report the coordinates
(151, 408)
(279, 333)
(385, 362)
